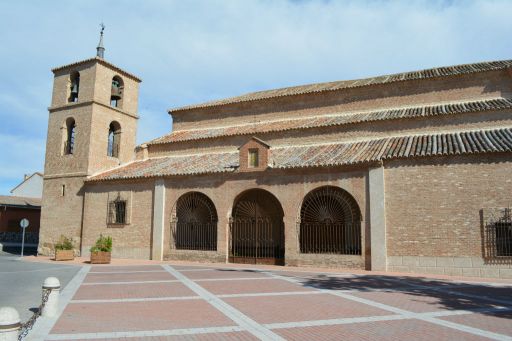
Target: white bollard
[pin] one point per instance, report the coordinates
(10, 324)
(52, 304)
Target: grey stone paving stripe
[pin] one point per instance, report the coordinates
(44, 325)
(332, 322)
(123, 272)
(452, 325)
(147, 299)
(231, 279)
(263, 294)
(234, 314)
(132, 282)
(188, 270)
(144, 333)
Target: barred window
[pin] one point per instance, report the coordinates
(498, 233)
(117, 212)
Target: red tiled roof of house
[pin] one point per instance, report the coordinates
(469, 142)
(10, 200)
(332, 86)
(337, 119)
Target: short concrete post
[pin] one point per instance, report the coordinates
(51, 306)
(10, 324)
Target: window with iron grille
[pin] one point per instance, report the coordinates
(498, 233)
(117, 212)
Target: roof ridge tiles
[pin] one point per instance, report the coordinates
(347, 153)
(336, 119)
(445, 71)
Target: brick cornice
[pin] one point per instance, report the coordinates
(73, 105)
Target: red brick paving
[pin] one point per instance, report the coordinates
(111, 268)
(128, 277)
(278, 309)
(422, 301)
(197, 313)
(234, 336)
(381, 331)
(498, 322)
(131, 316)
(146, 290)
(251, 286)
(210, 274)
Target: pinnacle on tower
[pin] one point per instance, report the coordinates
(100, 50)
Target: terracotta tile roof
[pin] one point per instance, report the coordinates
(330, 86)
(9, 200)
(101, 61)
(483, 141)
(173, 165)
(337, 119)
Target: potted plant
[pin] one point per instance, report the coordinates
(101, 251)
(64, 249)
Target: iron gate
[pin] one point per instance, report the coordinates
(258, 240)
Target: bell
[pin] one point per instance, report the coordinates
(116, 90)
(74, 89)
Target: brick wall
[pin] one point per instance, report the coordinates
(433, 211)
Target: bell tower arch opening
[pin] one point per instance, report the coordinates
(257, 229)
(69, 135)
(114, 139)
(74, 88)
(116, 92)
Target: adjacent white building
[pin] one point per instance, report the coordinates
(30, 187)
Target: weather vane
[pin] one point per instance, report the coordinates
(100, 50)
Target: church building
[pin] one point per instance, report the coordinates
(409, 172)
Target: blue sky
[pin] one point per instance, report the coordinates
(194, 51)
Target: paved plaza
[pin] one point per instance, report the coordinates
(201, 302)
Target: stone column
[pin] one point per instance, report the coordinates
(157, 251)
(377, 219)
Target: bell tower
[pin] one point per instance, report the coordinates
(92, 127)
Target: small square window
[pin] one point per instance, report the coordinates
(253, 158)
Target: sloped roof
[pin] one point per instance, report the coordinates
(101, 61)
(7, 200)
(26, 179)
(175, 165)
(332, 86)
(336, 119)
(469, 142)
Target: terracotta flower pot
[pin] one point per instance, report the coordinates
(100, 257)
(64, 255)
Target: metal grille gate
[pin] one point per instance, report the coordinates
(256, 241)
(257, 230)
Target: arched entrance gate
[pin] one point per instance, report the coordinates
(257, 229)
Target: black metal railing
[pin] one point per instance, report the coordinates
(330, 238)
(27, 326)
(194, 236)
(498, 234)
(256, 238)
